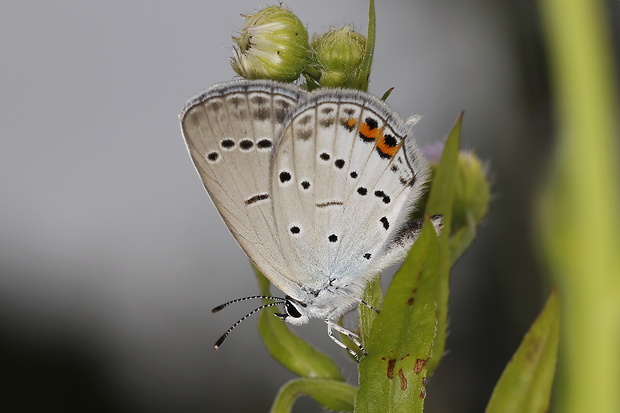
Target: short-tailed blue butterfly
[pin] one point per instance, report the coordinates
(316, 187)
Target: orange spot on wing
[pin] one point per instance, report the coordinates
(386, 149)
(370, 133)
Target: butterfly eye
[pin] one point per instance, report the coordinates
(292, 310)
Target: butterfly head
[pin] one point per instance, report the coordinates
(296, 312)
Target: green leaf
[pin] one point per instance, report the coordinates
(525, 385)
(387, 94)
(290, 350)
(333, 395)
(393, 374)
(440, 200)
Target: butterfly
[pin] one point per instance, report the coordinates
(316, 187)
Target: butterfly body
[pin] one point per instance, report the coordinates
(316, 187)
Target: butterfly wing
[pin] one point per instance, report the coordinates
(230, 131)
(345, 176)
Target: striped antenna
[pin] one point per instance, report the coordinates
(221, 306)
(219, 342)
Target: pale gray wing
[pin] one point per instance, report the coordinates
(350, 173)
(231, 130)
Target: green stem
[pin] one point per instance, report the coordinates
(366, 64)
(579, 210)
(333, 395)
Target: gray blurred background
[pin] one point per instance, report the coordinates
(112, 255)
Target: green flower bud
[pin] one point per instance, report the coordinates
(339, 53)
(472, 193)
(273, 45)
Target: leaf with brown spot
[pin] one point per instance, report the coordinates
(402, 334)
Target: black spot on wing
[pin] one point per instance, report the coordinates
(381, 194)
(285, 176)
(264, 144)
(371, 122)
(246, 144)
(385, 222)
(255, 198)
(329, 203)
(390, 141)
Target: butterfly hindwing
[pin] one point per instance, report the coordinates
(351, 171)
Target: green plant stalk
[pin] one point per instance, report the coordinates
(579, 210)
(366, 65)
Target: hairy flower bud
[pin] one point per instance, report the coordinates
(273, 45)
(339, 53)
(472, 189)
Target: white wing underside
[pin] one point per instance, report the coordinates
(238, 180)
(355, 195)
(311, 202)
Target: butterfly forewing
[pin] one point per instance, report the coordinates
(231, 131)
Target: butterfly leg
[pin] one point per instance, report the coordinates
(351, 335)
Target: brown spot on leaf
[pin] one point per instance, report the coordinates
(390, 368)
(419, 365)
(422, 394)
(410, 301)
(403, 380)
